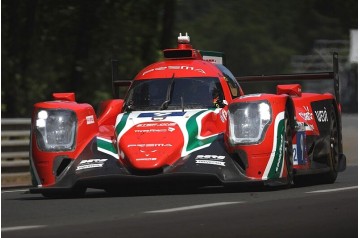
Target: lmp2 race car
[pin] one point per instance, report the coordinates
(186, 120)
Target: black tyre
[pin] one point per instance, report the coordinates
(288, 151)
(333, 158)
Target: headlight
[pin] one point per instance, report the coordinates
(248, 122)
(55, 129)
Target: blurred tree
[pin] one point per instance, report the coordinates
(66, 45)
(259, 37)
(20, 25)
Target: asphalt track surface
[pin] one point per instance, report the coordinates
(307, 210)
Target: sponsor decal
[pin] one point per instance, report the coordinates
(251, 95)
(295, 157)
(161, 115)
(143, 128)
(223, 115)
(213, 59)
(210, 159)
(307, 115)
(309, 127)
(175, 67)
(90, 120)
(281, 146)
(147, 153)
(151, 130)
(156, 124)
(90, 164)
(322, 115)
(299, 149)
(146, 159)
(149, 145)
(302, 126)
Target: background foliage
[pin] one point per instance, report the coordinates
(66, 45)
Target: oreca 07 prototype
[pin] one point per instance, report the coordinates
(187, 120)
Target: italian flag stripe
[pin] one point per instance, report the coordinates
(276, 160)
(120, 126)
(193, 133)
(107, 147)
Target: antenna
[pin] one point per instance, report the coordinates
(184, 39)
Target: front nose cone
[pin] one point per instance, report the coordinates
(151, 146)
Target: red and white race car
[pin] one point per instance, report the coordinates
(187, 119)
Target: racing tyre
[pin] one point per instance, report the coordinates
(288, 152)
(333, 158)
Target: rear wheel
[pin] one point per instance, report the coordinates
(333, 158)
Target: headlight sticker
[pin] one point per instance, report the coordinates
(90, 120)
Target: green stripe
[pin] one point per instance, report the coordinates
(120, 126)
(193, 130)
(211, 53)
(34, 181)
(277, 164)
(106, 146)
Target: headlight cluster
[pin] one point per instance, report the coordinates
(55, 129)
(248, 122)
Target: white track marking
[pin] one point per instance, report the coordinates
(177, 209)
(333, 190)
(18, 228)
(15, 191)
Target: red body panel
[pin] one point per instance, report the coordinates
(304, 110)
(109, 110)
(258, 154)
(152, 147)
(86, 130)
(182, 68)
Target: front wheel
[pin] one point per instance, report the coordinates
(288, 152)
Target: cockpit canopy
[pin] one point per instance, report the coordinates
(174, 93)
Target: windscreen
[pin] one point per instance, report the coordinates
(173, 94)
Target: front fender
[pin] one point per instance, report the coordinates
(262, 158)
(45, 115)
